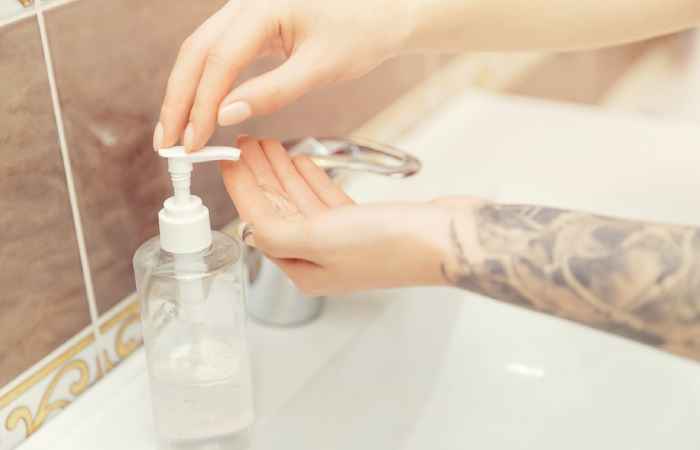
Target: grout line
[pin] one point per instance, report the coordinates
(70, 183)
(56, 3)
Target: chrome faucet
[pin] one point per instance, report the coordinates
(273, 299)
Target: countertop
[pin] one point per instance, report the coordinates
(440, 368)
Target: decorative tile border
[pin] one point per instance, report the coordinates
(121, 332)
(50, 386)
(61, 377)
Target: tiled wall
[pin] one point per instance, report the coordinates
(104, 187)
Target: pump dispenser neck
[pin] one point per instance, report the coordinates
(184, 220)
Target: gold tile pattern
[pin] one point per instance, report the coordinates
(71, 372)
(43, 302)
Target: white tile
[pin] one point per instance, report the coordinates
(10, 10)
(47, 396)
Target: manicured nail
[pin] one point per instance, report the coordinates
(234, 113)
(188, 139)
(158, 137)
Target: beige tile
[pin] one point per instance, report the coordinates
(42, 303)
(112, 60)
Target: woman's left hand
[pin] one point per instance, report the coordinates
(322, 239)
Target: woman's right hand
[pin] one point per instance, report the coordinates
(321, 40)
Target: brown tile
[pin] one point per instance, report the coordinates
(112, 60)
(43, 301)
(580, 77)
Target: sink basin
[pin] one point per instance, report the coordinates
(443, 370)
(439, 368)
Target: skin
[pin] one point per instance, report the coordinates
(635, 279)
(323, 41)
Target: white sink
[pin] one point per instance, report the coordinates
(444, 369)
(439, 370)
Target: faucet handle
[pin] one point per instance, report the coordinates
(354, 154)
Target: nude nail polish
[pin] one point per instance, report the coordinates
(158, 137)
(188, 138)
(234, 113)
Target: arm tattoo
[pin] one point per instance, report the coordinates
(635, 279)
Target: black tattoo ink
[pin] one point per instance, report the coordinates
(634, 279)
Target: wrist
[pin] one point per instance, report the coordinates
(444, 246)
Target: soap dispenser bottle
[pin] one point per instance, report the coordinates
(191, 285)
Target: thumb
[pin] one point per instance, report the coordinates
(275, 89)
(281, 238)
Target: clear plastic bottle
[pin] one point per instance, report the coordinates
(192, 307)
(191, 284)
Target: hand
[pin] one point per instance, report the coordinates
(321, 40)
(324, 241)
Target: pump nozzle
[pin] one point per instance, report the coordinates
(184, 220)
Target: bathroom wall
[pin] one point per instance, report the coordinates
(79, 196)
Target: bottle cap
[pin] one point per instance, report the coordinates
(184, 220)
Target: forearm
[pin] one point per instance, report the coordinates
(504, 25)
(635, 279)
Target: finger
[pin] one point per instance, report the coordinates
(283, 238)
(317, 179)
(250, 201)
(234, 50)
(255, 158)
(293, 183)
(272, 90)
(184, 78)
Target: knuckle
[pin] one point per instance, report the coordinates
(275, 99)
(217, 58)
(172, 108)
(189, 45)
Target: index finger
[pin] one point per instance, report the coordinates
(184, 77)
(247, 196)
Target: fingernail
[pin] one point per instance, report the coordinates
(188, 139)
(158, 137)
(234, 113)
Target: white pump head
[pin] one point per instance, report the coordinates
(184, 220)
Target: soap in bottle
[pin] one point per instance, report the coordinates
(191, 285)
